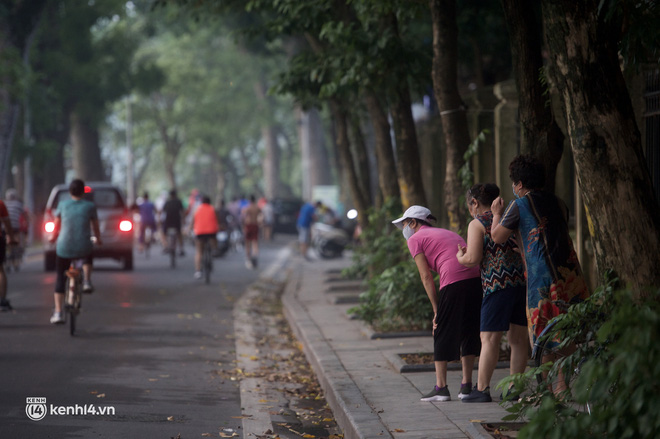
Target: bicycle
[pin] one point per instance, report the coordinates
(547, 345)
(207, 260)
(73, 292)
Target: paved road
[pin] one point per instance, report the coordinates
(149, 348)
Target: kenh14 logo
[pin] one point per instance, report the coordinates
(36, 408)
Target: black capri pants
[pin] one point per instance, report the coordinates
(458, 318)
(61, 266)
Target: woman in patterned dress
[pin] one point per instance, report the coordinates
(503, 283)
(540, 220)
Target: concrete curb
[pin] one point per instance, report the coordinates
(351, 410)
(252, 393)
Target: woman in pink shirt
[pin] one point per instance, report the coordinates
(456, 305)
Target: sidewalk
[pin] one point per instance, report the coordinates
(361, 376)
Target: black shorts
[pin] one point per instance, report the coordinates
(502, 307)
(459, 310)
(61, 266)
(205, 237)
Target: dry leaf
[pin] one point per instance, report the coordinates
(234, 434)
(398, 430)
(101, 395)
(170, 418)
(308, 436)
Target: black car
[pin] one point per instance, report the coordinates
(285, 214)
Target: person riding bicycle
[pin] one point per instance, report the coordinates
(205, 227)
(147, 212)
(75, 220)
(173, 210)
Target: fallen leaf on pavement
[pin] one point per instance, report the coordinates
(398, 430)
(101, 395)
(170, 418)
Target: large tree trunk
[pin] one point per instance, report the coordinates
(389, 186)
(540, 134)
(452, 109)
(314, 155)
(605, 140)
(271, 162)
(361, 158)
(409, 168)
(87, 163)
(360, 199)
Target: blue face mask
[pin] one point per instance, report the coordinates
(408, 232)
(513, 188)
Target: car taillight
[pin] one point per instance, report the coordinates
(125, 226)
(49, 227)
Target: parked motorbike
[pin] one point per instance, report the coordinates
(223, 244)
(329, 241)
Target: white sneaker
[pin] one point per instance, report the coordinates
(57, 318)
(87, 287)
(198, 275)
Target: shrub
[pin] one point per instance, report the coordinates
(617, 332)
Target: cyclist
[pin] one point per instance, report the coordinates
(173, 210)
(75, 219)
(205, 227)
(147, 212)
(7, 233)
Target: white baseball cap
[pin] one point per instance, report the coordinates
(416, 212)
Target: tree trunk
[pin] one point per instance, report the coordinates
(606, 143)
(87, 163)
(452, 108)
(409, 169)
(540, 134)
(384, 152)
(361, 159)
(360, 200)
(314, 155)
(271, 162)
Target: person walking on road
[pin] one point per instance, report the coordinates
(6, 235)
(457, 304)
(306, 217)
(503, 285)
(250, 218)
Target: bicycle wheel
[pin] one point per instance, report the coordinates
(70, 305)
(207, 263)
